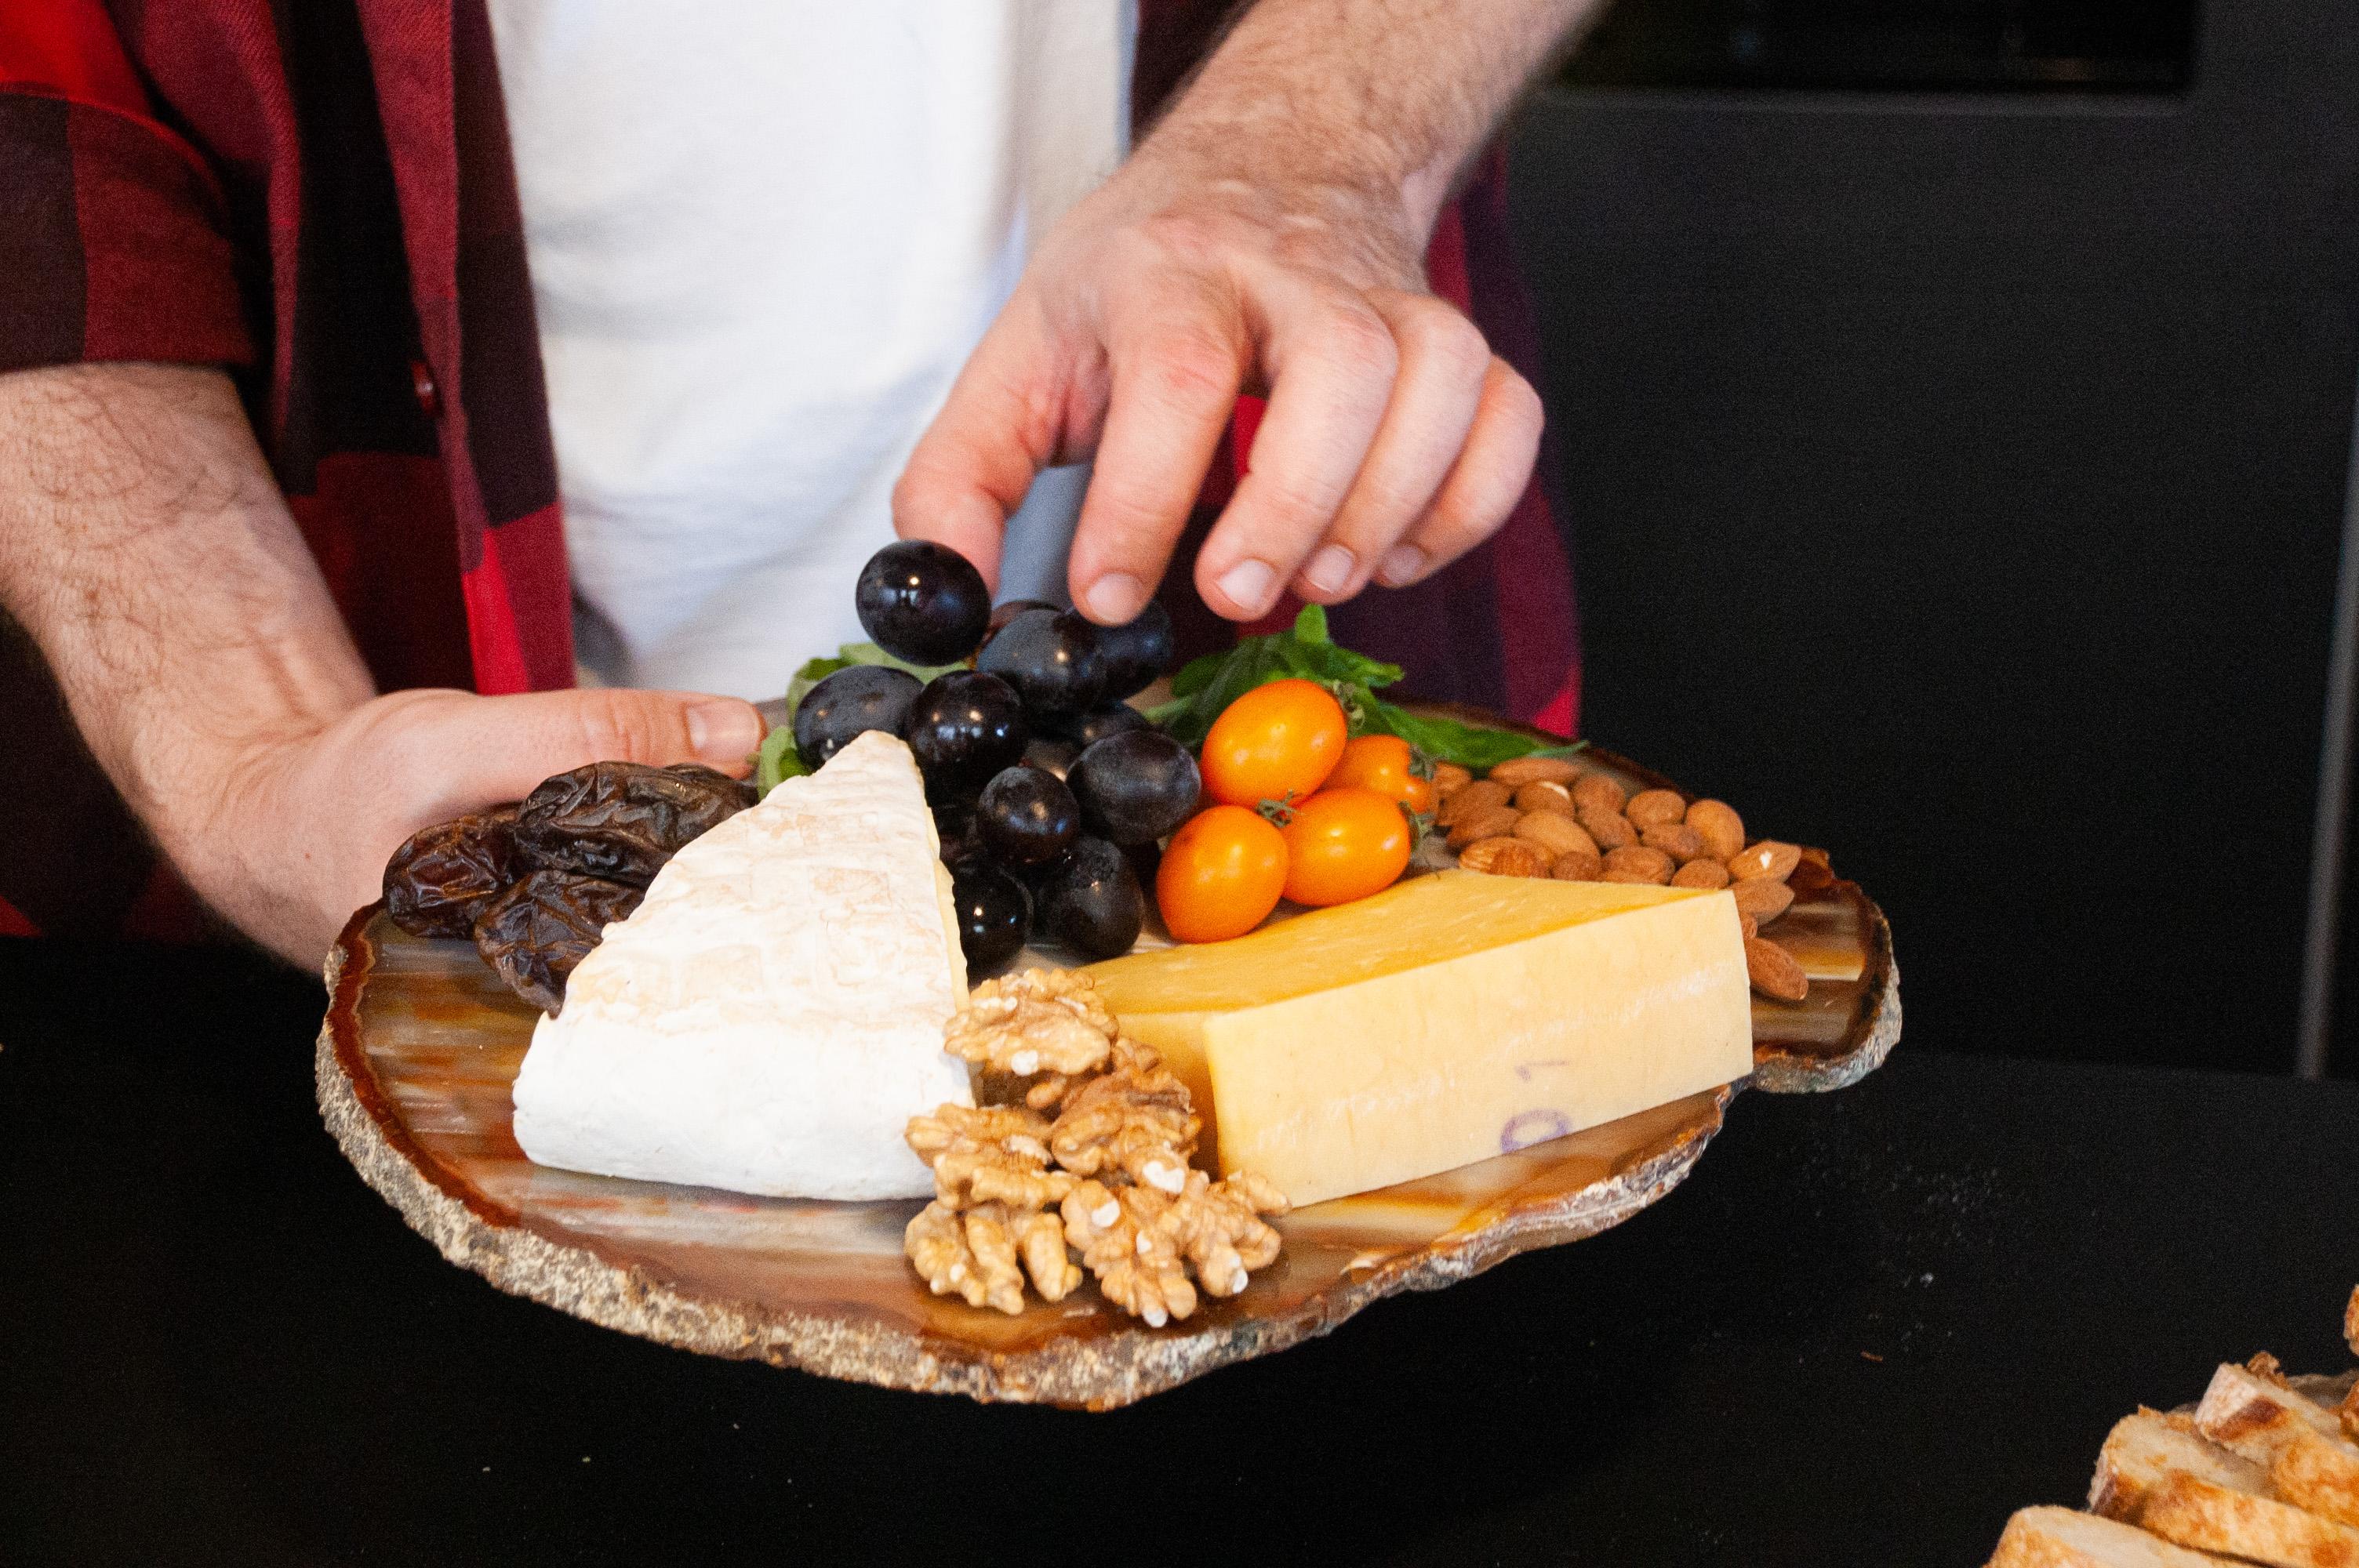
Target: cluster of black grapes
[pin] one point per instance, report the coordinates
(1049, 792)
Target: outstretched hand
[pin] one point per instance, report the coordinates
(1395, 440)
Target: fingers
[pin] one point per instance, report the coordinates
(483, 749)
(1484, 485)
(1435, 399)
(1179, 356)
(1331, 359)
(998, 428)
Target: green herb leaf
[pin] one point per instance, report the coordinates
(778, 761)
(1477, 746)
(1207, 685)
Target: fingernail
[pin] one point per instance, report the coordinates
(1402, 562)
(1329, 570)
(1114, 599)
(1247, 585)
(724, 731)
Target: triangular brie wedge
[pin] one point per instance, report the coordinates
(769, 1019)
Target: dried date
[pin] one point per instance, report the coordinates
(622, 821)
(542, 928)
(743, 788)
(446, 875)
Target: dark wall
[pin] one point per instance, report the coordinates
(1957, 483)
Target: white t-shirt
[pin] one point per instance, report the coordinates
(763, 235)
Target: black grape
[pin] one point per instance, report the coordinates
(1135, 787)
(1136, 652)
(1025, 817)
(922, 601)
(1051, 657)
(995, 916)
(1107, 718)
(866, 697)
(964, 728)
(1091, 901)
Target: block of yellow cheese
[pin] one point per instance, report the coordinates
(1447, 1020)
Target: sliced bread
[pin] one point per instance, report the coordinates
(2145, 1449)
(2250, 1411)
(2253, 1413)
(2158, 1471)
(2320, 1474)
(2059, 1538)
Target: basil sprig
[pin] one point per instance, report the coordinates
(1207, 685)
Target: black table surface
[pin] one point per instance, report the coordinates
(1869, 1325)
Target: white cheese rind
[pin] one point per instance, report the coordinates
(769, 1019)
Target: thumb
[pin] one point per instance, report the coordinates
(504, 746)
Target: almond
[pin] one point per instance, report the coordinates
(1747, 924)
(1649, 807)
(1556, 833)
(1482, 795)
(1762, 899)
(1576, 867)
(1517, 771)
(1723, 829)
(1544, 795)
(1596, 792)
(1610, 828)
(1504, 857)
(1492, 821)
(1705, 872)
(1638, 864)
(1677, 840)
(1449, 778)
(1767, 858)
(1773, 971)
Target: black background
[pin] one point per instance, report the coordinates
(1956, 482)
(217, 1345)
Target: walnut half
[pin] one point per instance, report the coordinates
(976, 1253)
(1032, 1033)
(1217, 1226)
(988, 1155)
(1136, 1119)
(1139, 1267)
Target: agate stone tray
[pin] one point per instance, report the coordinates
(421, 1043)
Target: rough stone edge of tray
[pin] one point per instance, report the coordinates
(1795, 1074)
(1096, 1375)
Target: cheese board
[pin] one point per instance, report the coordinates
(423, 1043)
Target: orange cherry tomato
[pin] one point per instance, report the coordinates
(1344, 844)
(1221, 874)
(1277, 740)
(1384, 763)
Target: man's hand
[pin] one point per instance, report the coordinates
(144, 546)
(1267, 238)
(286, 838)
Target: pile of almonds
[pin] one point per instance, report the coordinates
(1548, 817)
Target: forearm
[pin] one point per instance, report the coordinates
(145, 547)
(1384, 100)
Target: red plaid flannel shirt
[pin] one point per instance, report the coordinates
(320, 196)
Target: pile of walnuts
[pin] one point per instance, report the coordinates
(1076, 1160)
(1548, 817)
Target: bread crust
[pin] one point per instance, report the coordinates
(2213, 1518)
(2059, 1538)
